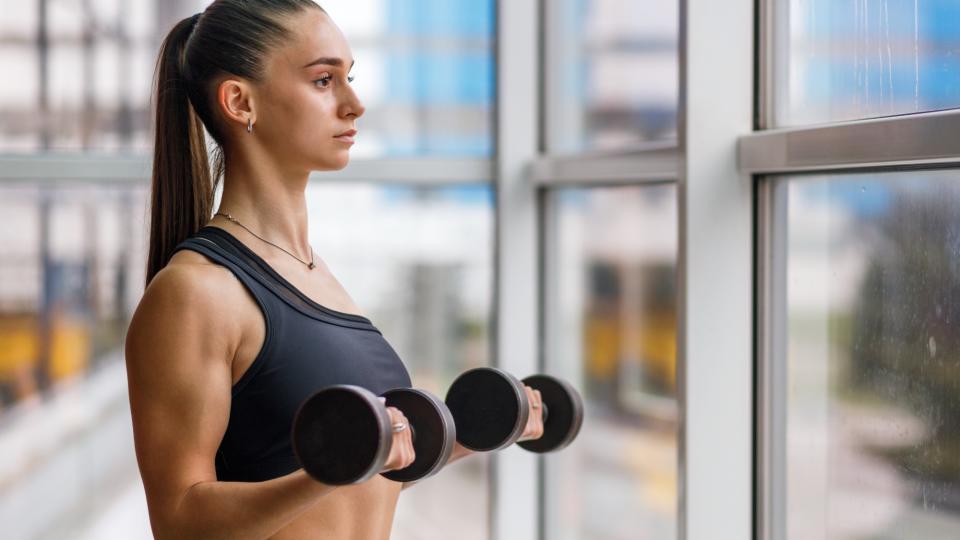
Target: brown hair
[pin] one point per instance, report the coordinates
(230, 36)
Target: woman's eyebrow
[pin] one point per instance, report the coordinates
(329, 61)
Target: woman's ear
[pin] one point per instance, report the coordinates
(235, 101)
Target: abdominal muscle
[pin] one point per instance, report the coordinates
(354, 512)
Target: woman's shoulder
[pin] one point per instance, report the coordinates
(185, 259)
(190, 291)
(193, 272)
(188, 275)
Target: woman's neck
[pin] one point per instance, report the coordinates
(271, 206)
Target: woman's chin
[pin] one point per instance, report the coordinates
(331, 163)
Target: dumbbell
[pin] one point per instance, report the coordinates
(490, 408)
(342, 434)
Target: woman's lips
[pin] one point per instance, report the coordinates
(346, 136)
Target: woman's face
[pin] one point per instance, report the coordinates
(306, 100)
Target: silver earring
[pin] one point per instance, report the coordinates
(249, 125)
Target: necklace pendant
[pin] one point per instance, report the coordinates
(311, 265)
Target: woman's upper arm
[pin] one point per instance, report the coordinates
(178, 352)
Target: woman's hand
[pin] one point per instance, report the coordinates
(534, 427)
(401, 451)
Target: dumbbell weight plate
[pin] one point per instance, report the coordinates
(341, 435)
(490, 408)
(565, 417)
(433, 430)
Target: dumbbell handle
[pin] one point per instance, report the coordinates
(545, 412)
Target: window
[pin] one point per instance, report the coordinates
(425, 73)
(424, 70)
(862, 59)
(83, 72)
(868, 368)
(613, 73)
(68, 280)
(416, 257)
(856, 270)
(612, 326)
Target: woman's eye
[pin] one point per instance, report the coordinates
(327, 79)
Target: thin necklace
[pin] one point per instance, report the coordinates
(309, 265)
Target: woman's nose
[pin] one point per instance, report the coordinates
(352, 104)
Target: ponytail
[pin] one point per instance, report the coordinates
(235, 37)
(182, 198)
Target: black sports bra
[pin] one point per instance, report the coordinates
(307, 347)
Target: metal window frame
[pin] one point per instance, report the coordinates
(547, 252)
(120, 168)
(903, 142)
(553, 43)
(764, 27)
(771, 292)
(46, 168)
(651, 163)
(716, 341)
(916, 140)
(515, 474)
(715, 368)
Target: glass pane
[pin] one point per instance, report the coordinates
(424, 71)
(70, 275)
(67, 282)
(613, 77)
(863, 59)
(871, 362)
(611, 328)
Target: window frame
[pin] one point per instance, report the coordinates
(715, 258)
(46, 167)
(893, 143)
(649, 163)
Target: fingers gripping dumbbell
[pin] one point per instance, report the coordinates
(343, 434)
(491, 408)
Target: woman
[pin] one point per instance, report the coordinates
(240, 320)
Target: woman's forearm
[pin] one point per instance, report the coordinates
(459, 452)
(254, 510)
